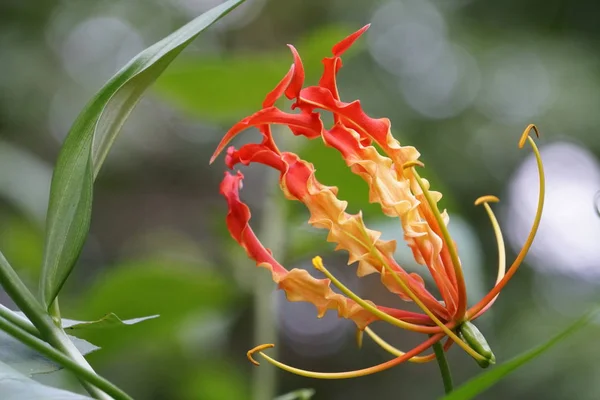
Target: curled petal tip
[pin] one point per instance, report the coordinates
(525, 134)
(410, 164)
(486, 199)
(258, 348)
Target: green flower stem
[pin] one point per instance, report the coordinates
(86, 374)
(19, 321)
(273, 235)
(440, 356)
(46, 326)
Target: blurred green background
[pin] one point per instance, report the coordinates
(460, 80)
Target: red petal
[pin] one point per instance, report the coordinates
(306, 124)
(281, 87)
(297, 82)
(347, 42)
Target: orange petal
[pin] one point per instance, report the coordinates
(298, 182)
(298, 284)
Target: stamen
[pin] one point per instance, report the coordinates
(349, 374)
(414, 163)
(462, 289)
(396, 352)
(446, 328)
(261, 347)
(485, 200)
(476, 309)
(359, 338)
(525, 134)
(318, 264)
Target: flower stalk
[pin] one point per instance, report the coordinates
(440, 356)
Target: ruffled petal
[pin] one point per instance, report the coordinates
(298, 284)
(348, 231)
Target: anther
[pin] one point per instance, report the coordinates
(410, 164)
(257, 349)
(525, 134)
(486, 199)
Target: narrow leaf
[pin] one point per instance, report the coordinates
(15, 386)
(108, 321)
(484, 381)
(88, 143)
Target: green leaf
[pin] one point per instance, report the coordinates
(300, 394)
(15, 386)
(176, 290)
(108, 321)
(28, 361)
(483, 381)
(88, 143)
(239, 83)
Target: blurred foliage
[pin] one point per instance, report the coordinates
(227, 88)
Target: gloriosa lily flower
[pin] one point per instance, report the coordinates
(395, 184)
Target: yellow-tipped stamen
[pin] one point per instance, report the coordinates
(258, 348)
(318, 264)
(485, 200)
(475, 310)
(414, 163)
(349, 374)
(396, 352)
(447, 329)
(460, 279)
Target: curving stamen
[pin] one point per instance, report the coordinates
(414, 163)
(446, 328)
(348, 374)
(396, 352)
(260, 347)
(485, 200)
(318, 264)
(525, 135)
(477, 308)
(460, 280)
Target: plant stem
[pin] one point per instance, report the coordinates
(440, 356)
(47, 327)
(19, 321)
(82, 372)
(24, 299)
(272, 233)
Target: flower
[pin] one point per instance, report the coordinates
(396, 186)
